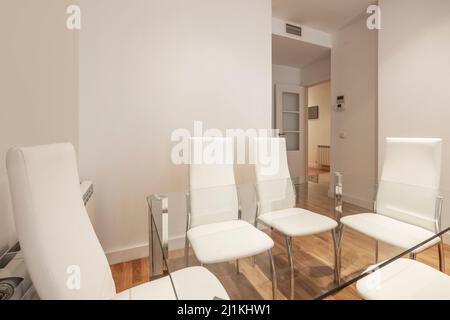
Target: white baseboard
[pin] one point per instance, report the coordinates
(127, 254)
(139, 251)
(363, 203)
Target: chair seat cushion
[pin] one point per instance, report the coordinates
(405, 279)
(225, 241)
(297, 222)
(391, 231)
(195, 283)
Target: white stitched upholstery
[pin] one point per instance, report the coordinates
(213, 192)
(274, 185)
(52, 223)
(391, 231)
(297, 222)
(216, 234)
(405, 279)
(409, 183)
(186, 282)
(407, 194)
(277, 195)
(55, 234)
(225, 241)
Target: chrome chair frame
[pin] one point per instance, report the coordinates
(440, 245)
(413, 255)
(158, 239)
(187, 245)
(338, 233)
(334, 234)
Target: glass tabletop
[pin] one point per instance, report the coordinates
(326, 227)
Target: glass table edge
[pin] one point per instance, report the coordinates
(377, 267)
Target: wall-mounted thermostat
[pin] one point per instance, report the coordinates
(340, 103)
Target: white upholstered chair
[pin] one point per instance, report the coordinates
(408, 205)
(58, 239)
(405, 279)
(215, 230)
(277, 199)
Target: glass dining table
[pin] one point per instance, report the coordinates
(351, 251)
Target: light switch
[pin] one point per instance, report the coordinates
(342, 135)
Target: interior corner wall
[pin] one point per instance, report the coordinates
(38, 85)
(354, 130)
(148, 68)
(414, 76)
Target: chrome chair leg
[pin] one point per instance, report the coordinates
(237, 266)
(441, 256)
(376, 251)
(413, 256)
(274, 275)
(291, 263)
(254, 257)
(186, 251)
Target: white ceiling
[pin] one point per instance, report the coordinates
(325, 15)
(295, 53)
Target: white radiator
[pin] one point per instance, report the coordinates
(323, 156)
(87, 190)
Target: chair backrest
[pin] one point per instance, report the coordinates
(409, 184)
(63, 255)
(213, 193)
(274, 187)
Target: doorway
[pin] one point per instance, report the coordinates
(296, 65)
(319, 132)
(291, 121)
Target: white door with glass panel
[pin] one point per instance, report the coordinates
(290, 119)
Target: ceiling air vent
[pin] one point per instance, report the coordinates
(297, 31)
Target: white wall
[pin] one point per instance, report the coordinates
(319, 130)
(414, 76)
(318, 71)
(354, 75)
(147, 68)
(286, 75)
(38, 85)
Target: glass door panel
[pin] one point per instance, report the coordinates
(291, 101)
(291, 122)
(292, 141)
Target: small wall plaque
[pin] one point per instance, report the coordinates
(313, 113)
